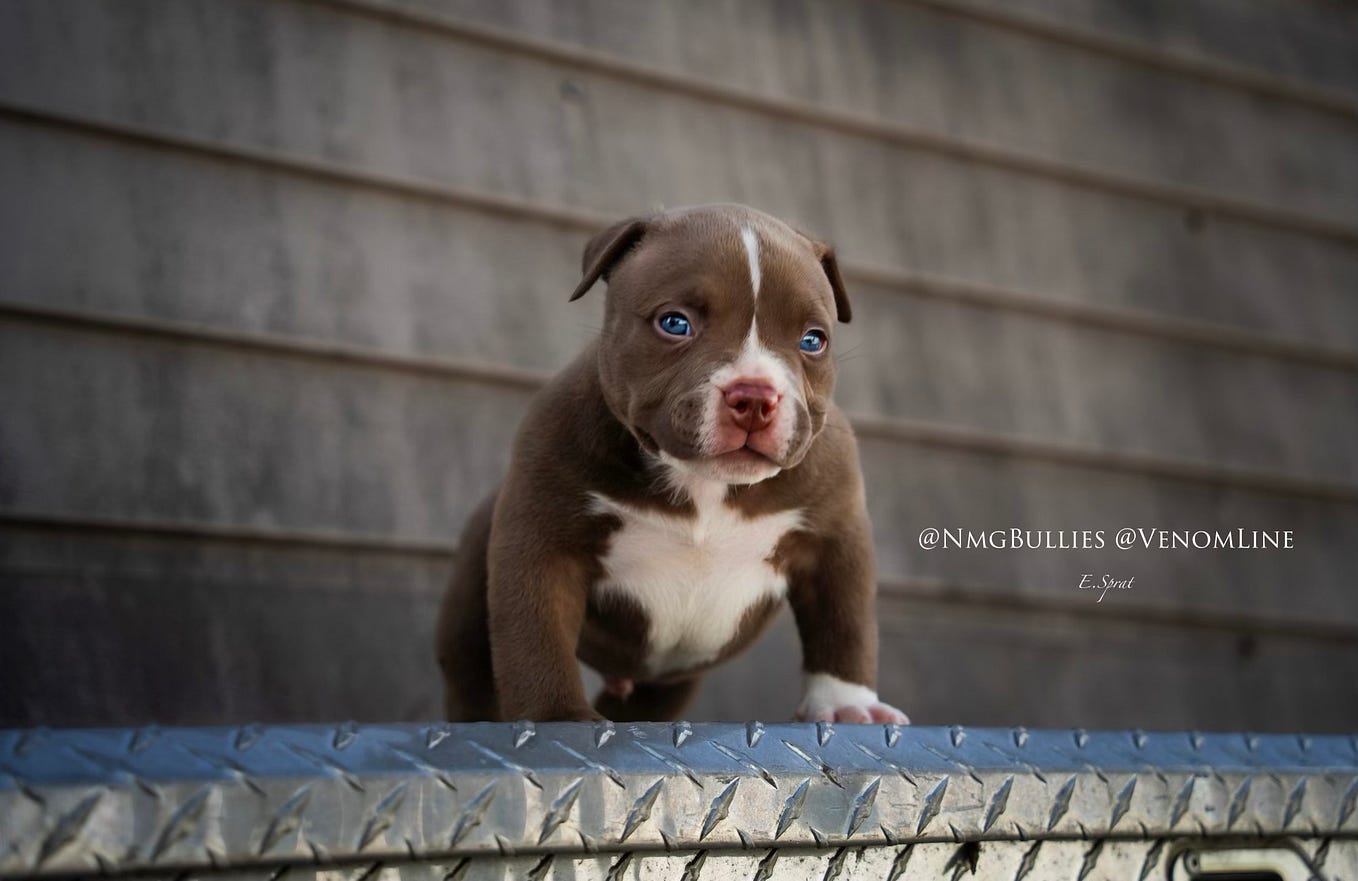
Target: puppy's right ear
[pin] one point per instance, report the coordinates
(606, 249)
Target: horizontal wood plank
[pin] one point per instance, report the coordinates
(1311, 45)
(163, 432)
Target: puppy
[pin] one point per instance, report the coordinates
(672, 487)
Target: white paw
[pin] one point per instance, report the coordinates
(830, 699)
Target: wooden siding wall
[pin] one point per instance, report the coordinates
(278, 277)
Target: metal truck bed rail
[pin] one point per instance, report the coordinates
(683, 801)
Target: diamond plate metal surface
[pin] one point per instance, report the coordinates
(683, 800)
(1000, 860)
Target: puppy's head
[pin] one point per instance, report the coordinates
(716, 351)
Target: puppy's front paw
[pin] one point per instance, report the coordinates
(860, 713)
(831, 699)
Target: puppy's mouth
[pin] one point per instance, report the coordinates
(743, 454)
(726, 452)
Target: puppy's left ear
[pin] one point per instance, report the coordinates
(604, 251)
(830, 264)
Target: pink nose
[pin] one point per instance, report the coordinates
(751, 405)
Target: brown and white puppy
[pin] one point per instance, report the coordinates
(672, 487)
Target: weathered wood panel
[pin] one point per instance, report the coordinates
(167, 236)
(167, 432)
(141, 430)
(138, 650)
(553, 134)
(914, 488)
(1052, 671)
(237, 528)
(1313, 45)
(923, 67)
(128, 650)
(885, 59)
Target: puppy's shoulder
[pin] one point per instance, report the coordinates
(568, 443)
(565, 418)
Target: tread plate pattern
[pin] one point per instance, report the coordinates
(471, 797)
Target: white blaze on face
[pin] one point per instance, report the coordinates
(752, 254)
(755, 363)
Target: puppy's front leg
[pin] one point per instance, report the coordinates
(834, 601)
(537, 602)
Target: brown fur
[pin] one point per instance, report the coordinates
(521, 607)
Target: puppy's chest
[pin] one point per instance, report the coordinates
(693, 578)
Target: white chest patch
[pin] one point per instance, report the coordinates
(693, 577)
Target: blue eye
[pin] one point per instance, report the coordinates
(814, 342)
(674, 324)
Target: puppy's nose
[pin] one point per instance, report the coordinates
(751, 405)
